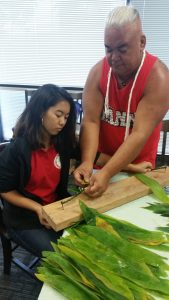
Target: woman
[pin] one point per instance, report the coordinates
(34, 167)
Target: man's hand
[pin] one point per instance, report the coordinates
(99, 181)
(83, 173)
(98, 184)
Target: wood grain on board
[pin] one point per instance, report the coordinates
(118, 193)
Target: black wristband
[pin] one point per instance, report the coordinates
(97, 156)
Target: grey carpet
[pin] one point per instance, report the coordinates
(18, 285)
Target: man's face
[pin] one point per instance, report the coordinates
(124, 46)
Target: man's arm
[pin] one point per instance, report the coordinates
(141, 167)
(93, 102)
(151, 110)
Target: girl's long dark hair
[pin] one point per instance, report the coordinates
(29, 123)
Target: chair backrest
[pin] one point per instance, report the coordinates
(7, 247)
(3, 145)
(28, 94)
(77, 97)
(2, 228)
(163, 157)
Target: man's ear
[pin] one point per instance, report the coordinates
(143, 41)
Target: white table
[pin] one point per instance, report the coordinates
(132, 212)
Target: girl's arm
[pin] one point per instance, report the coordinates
(17, 199)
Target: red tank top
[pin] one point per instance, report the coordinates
(113, 126)
(45, 174)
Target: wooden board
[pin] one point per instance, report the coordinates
(118, 193)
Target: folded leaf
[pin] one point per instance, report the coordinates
(154, 186)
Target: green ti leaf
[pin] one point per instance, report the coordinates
(155, 187)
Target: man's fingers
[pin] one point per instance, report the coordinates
(93, 194)
(82, 178)
(93, 191)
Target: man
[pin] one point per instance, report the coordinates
(126, 96)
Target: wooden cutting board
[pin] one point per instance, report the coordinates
(118, 193)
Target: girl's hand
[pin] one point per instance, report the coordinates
(42, 219)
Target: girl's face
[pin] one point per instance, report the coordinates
(55, 118)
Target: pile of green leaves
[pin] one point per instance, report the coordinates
(107, 259)
(162, 205)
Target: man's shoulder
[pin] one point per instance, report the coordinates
(98, 66)
(158, 80)
(160, 71)
(162, 66)
(95, 73)
(98, 69)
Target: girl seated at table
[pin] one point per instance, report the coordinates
(34, 167)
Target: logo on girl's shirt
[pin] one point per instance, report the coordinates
(57, 162)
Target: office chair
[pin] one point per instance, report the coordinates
(77, 97)
(9, 245)
(163, 157)
(28, 94)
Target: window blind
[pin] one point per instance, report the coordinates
(12, 103)
(48, 41)
(51, 41)
(154, 15)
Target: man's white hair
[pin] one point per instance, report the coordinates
(122, 15)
